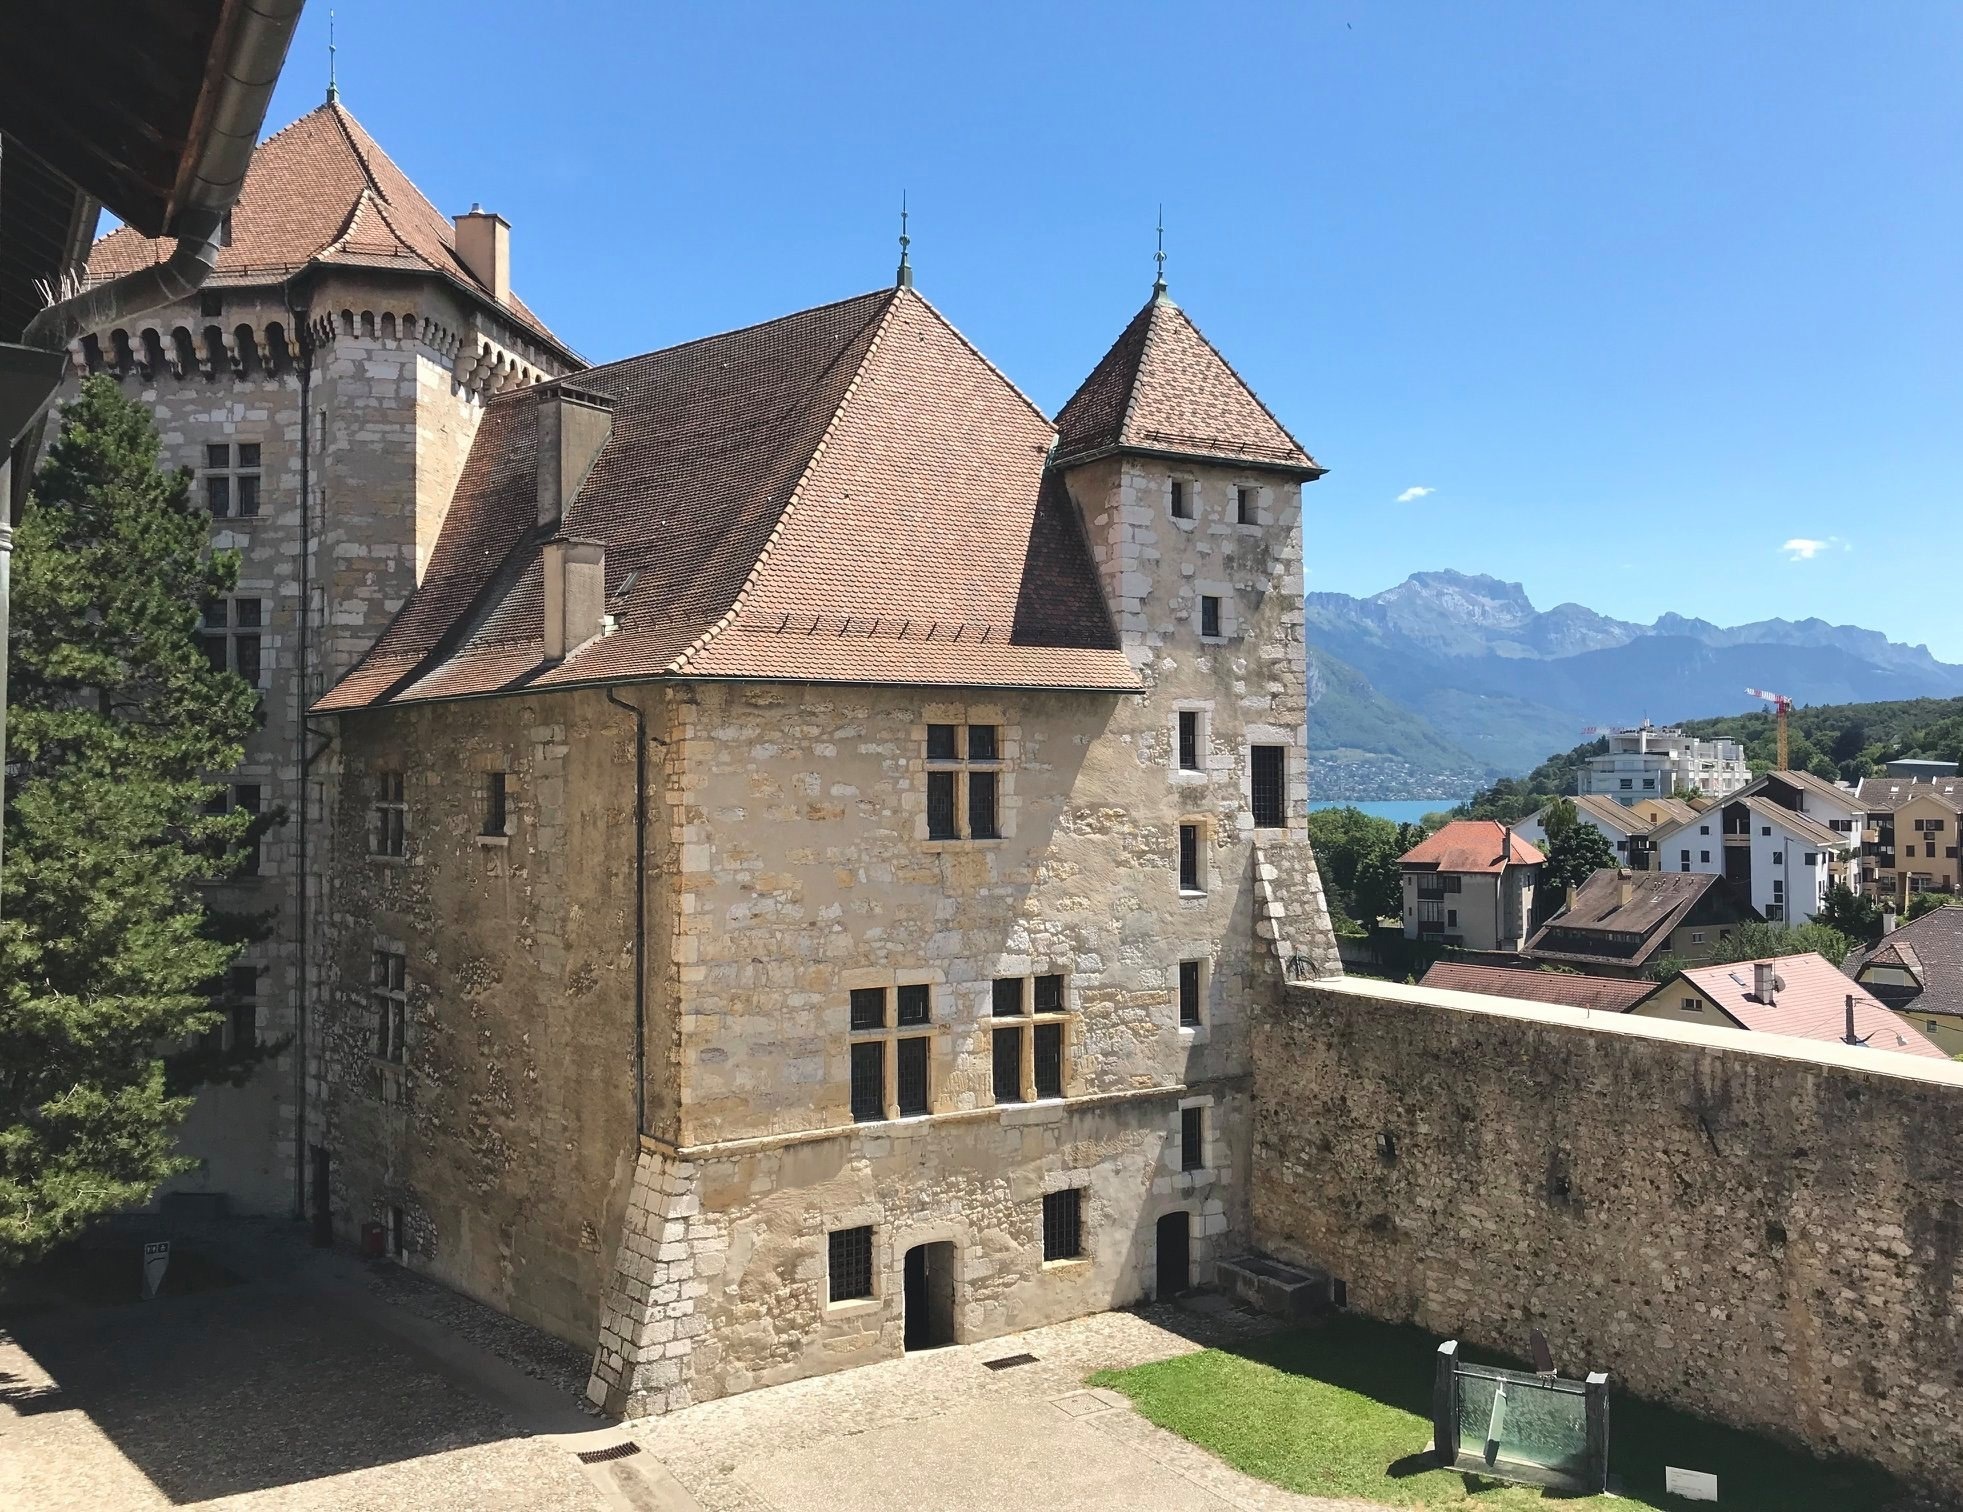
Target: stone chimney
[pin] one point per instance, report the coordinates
(1762, 975)
(484, 244)
(575, 593)
(1625, 888)
(573, 427)
(1888, 918)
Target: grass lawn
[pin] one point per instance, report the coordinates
(1344, 1409)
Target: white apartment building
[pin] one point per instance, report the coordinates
(1648, 761)
(1779, 861)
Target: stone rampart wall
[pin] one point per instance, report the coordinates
(1762, 1230)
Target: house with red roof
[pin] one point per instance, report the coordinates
(1470, 884)
(788, 838)
(1802, 996)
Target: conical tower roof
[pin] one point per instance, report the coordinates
(1164, 389)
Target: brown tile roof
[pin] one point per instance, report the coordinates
(1931, 948)
(1571, 988)
(1813, 783)
(1883, 795)
(1470, 845)
(1811, 1005)
(1164, 389)
(851, 494)
(322, 191)
(1598, 927)
(1801, 825)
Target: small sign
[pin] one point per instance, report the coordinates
(1691, 1485)
(156, 1260)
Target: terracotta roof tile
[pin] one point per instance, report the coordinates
(1811, 1005)
(1932, 948)
(1163, 388)
(321, 191)
(1571, 988)
(1471, 845)
(1598, 927)
(850, 493)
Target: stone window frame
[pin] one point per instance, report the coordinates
(234, 636)
(1026, 1020)
(496, 819)
(1008, 749)
(1248, 491)
(1187, 485)
(890, 981)
(1203, 857)
(842, 1223)
(1294, 789)
(1200, 957)
(1055, 1184)
(235, 473)
(1209, 1130)
(1203, 773)
(1230, 626)
(388, 827)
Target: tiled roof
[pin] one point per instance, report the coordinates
(850, 494)
(1797, 824)
(1164, 389)
(1883, 795)
(1832, 792)
(1605, 810)
(321, 191)
(1811, 1005)
(1931, 947)
(1471, 845)
(1571, 988)
(1598, 927)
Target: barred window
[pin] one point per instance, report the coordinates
(915, 1003)
(868, 1081)
(868, 1007)
(912, 1076)
(1189, 858)
(1210, 616)
(851, 1264)
(391, 814)
(496, 812)
(941, 806)
(1029, 1062)
(983, 823)
(1189, 740)
(1267, 786)
(1049, 994)
(1189, 993)
(1192, 1138)
(1063, 1224)
(1049, 1060)
(1007, 1000)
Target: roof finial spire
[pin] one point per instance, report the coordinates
(904, 279)
(1159, 257)
(333, 89)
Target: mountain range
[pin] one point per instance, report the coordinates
(1448, 679)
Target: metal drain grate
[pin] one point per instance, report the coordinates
(611, 1452)
(1009, 1362)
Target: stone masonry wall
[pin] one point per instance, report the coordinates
(1765, 1231)
(506, 1136)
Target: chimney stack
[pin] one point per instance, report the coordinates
(575, 593)
(1762, 975)
(573, 427)
(484, 244)
(1625, 887)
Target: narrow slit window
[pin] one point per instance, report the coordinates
(1007, 1045)
(868, 1081)
(912, 1076)
(1189, 994)
(1049, 1060)
(1063, 1224)
(391, 814)
(1192, 1138)
(495, 813)
(1182, 500)
(1245, 510)
(1210, 615)
(1189, 740)
(390, 996)
(1189, 858)
(1267, 786)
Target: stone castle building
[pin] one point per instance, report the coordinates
(787, 839)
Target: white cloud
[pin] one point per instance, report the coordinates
(1412, 495)
(1806, 548)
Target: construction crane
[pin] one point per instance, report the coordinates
(1782, 706)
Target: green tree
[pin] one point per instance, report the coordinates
(1856, 915)
(1558, 817)
(1756, 940)
(107, 954)
(1379, 890)
(1925, 902)
(1574, 856)
(1850, 742)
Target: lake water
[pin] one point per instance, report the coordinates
(1398, 811)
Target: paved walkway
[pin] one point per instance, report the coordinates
(321, 1382)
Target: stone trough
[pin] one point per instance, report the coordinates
(1283, 1291)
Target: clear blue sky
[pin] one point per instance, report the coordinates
(1642, 291)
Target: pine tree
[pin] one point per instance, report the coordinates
(108, 957)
